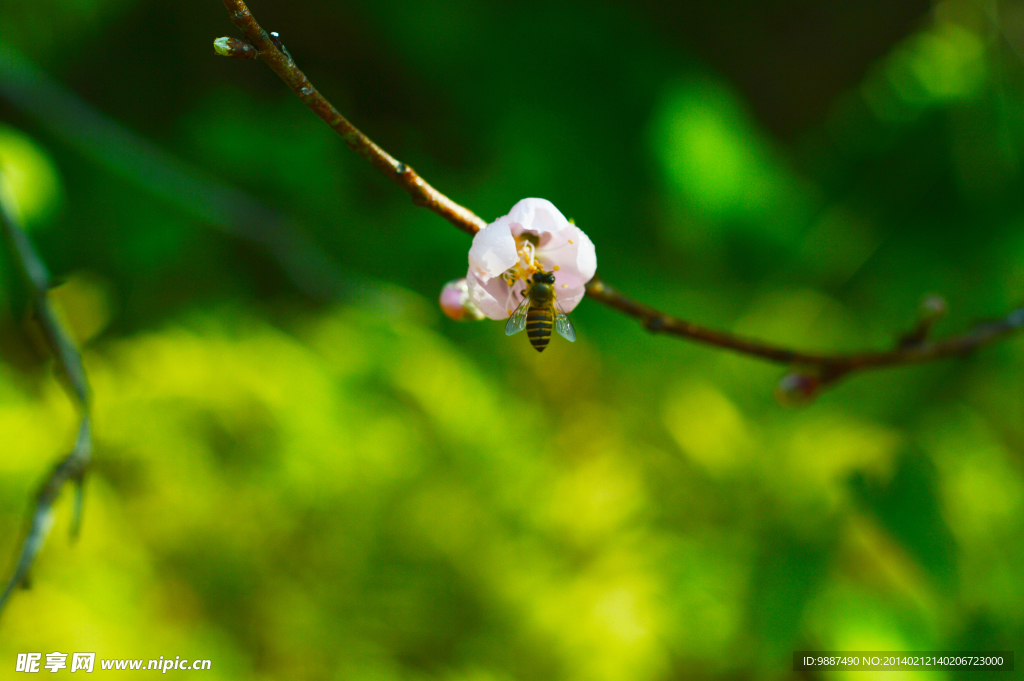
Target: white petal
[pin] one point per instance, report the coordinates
(569, 251)
(586, 257)
(493, 297)
(493, 250)
(538, 216)
(569, 290)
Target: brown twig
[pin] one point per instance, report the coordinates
(284, 66)
(811, 371)
(827, 367)
(69, 364)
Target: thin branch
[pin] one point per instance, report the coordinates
(812, 371)
(284, 66)
(829, 367)
(69, 364)
(70, 469)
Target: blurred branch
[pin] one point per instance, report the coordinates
(168, 178)
(810, 371)
(69, 365)
(198, 194)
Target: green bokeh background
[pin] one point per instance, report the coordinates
(352, 486)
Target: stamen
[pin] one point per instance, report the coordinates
(528, 249)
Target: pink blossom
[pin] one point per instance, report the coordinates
(455, 301)
(533, 237)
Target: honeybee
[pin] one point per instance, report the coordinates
(538, 311)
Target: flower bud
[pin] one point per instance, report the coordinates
(455, 302)
(933, 306)
(233, 47)
(797, 389)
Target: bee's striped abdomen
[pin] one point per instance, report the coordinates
(538, 327)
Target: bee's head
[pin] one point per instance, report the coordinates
(544, 277)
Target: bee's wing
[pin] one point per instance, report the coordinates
(517, 322)
(563, 325)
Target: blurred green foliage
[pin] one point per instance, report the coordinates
(360, 489)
